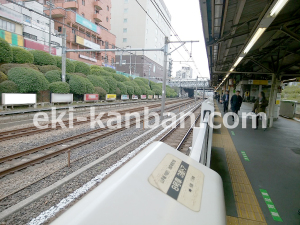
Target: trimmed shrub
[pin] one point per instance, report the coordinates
(100, 91)
(53, 76)
(109, 69)
(144, 90)
(130, 83)
(8, 87)
(112, 84)
(6, 54)
(3, 77)
(42, 58)
(141, 83)
(98, 82)
(157, 90)
(80, 74)
(47, 68)
(145, 81)
(118, 92)
(20, 55)
(81, 67)
(122, 87)
(130, 90)
(95, 67)
(28, 80)
(6, 67)
(149, 92)
(70, 67)
(137, 90)
(80, 85)
(100, 73)
(119, 77)
(59, 87)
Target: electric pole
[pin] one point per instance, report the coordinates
(50, 12)
(196, 89)
(164, 78)
(63, 56)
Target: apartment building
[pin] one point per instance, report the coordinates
(186, 72)
(134, 29)
(88, 25)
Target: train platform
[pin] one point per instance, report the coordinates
(260, 170)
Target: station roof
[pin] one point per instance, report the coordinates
(231, 25)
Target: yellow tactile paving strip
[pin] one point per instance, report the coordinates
(248, 209)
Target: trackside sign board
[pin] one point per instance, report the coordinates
(111, 97)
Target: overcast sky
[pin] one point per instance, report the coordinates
(186, 20)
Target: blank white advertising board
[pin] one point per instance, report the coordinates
(18, 99)
(58, 98)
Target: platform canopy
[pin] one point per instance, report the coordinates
(251, 38)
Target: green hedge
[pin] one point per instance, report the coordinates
(157, 90)
(53, 76)
(141, 83)
(8, 87)
(137, 90)
(28, 80)
(80, 74)
(6, 54)
(109, 69)
(20, 55)
(42, 58)
(6, 67)
(149, 92)
(98, 82)
(81, 67)
(112, 84)
(144, 90)
(70, 67)
(80, 85)
(118, 91)
(122, 87)
(95, 67)
(130, 90)
(145, 81)
(119, 77)
(3, 77)
(47, 68)
(59, 87)
(100, 73)
(100, 91)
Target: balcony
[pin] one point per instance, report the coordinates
(70, 4)
(98, 4)
(97, 17)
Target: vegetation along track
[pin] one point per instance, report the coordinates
(51, 154)
(11, 134)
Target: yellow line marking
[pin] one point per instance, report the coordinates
(248, 209)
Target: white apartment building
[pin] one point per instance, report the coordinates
(134, 28)
(36, 27)
(186, 72)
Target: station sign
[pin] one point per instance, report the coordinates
(124, 97)
(111, 97)
(260, 82)
(134, 97)
(150, 96)
(91, 97)
(143, 96)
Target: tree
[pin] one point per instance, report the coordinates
(59, 87)
(81, 67)
(100, 91)
(95, 67)
(70, 67)
(20, 55)
(100, 73)
(42, 58)
(6, 54)
(130, 90)
(122, 87)
(98, 82)
(28, 80)
(3, 77)
(8, 87)
(119, 77)
(80, 85)
(53, 76)
(47, 68)
(108, 69)
(6, 67)
(112, 84)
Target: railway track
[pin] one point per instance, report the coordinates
(12, 134)
(45, 152)
(181, 138)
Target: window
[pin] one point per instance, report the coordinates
(124, 40)
(73, 31)
(107, 8)
(125, 20)
(106, 44)
(59, 29)
(83, 2)
(106, 19)
(5, 25)
(96, 11)
(124, 30)
(27, 19)
(126, 10)
(30, 36)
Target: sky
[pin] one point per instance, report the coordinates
(186, 20)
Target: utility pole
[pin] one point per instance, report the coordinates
(130, 63)
(196, 89)
(63, 56)
(163, 100)
(50, 12)
(135, 62)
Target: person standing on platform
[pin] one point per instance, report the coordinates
(225, 99)
(260, 106)
(236, 102)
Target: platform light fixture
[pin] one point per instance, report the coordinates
(238, 61)
(256, 36)
(277, 7)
